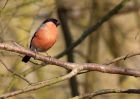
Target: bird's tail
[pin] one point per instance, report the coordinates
(26, 59)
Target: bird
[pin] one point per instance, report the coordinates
(44, 37)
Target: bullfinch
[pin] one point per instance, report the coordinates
(44, 38)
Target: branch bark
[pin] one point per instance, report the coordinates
(107, 91)
(69, 65)
(40, 85)
(75, 67)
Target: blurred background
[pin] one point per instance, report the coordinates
(119, 36)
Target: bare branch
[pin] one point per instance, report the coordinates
(122, 58)
(107, 91)
(5, 4)
(71, 66)
(94, 27)
(112, 61)
(14, 73)
(75, 67)
(41, 84)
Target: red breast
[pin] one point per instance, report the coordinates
(45, 37)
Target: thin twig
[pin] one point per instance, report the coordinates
(107, 91)
(14, 73)
(5, 4)
(115, 60)
(122, 58)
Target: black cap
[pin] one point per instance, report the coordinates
(52, 20)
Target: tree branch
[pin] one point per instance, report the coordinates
(94, 27)
(14, 73)
(107, 91)
(122, 58)
(75, 67)
(71, 66)
(40, 85)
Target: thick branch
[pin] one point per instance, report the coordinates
(75, 67)
(71, 66)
